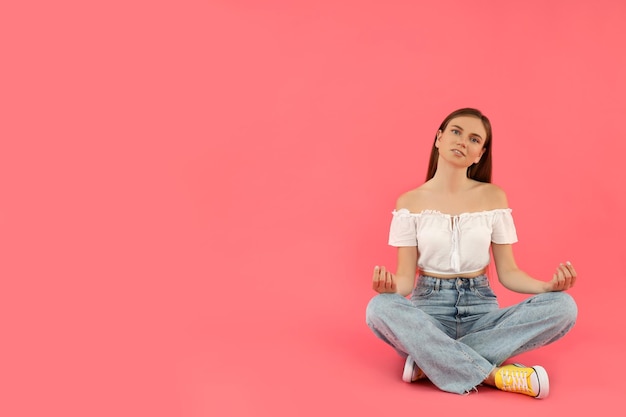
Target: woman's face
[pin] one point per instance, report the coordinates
(462, 141)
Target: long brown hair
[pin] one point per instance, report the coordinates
(480, 171)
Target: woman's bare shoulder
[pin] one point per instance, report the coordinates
(412, 200)
(494, 196)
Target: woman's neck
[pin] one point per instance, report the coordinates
(451, 179)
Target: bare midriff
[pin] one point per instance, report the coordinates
(450, 276)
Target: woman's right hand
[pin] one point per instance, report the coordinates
(383, 281)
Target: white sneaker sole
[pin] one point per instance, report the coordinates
(407, 373)
(544, 382)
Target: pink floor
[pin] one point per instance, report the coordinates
(193, 196)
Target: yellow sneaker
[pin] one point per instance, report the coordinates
(411, 372)
(518, 378)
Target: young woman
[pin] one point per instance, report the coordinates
(452, 330)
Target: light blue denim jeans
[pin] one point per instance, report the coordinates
(456, 332)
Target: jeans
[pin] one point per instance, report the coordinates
(456, 332)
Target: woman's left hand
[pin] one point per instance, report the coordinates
(564, 278)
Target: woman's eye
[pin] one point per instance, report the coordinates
(475, 140)
(455, 131)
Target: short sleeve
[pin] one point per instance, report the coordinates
(403, 230)
(503, 229)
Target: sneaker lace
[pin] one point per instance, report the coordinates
(515, 380)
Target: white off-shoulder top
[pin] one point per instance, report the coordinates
(450, 244)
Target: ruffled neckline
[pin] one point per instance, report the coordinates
(447, 215)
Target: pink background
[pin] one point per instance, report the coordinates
(193, 195)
